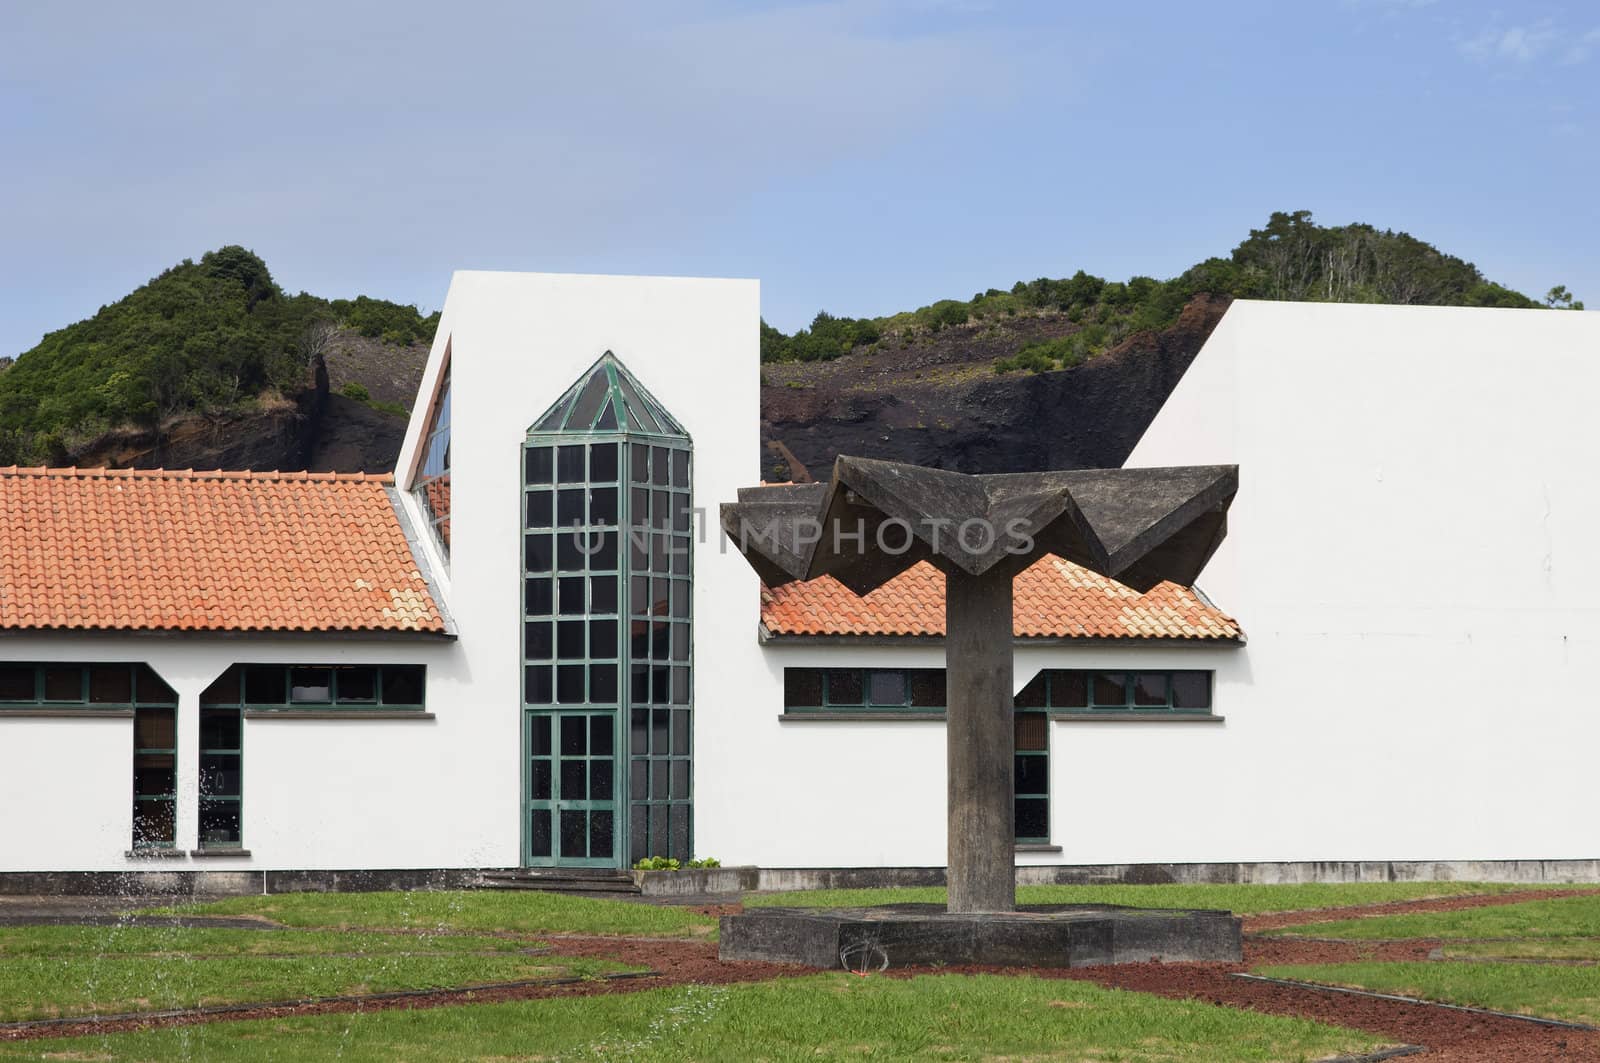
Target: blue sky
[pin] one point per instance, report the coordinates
(864, 157)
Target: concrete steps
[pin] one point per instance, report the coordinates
(562, 880)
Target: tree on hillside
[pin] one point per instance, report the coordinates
(1561, 299)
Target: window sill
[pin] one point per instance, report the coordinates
(860, 717)
(1135, 717)
(1037, 847)
(336, 714)
(154, 854)
(213, 853)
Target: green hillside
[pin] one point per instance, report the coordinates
(203, 336)
(1291, 258)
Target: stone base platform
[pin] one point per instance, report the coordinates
(1045, 935)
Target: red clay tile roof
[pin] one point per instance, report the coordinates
(1054, 599)
(171, 550)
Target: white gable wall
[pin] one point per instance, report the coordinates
(1410, 554)
(518, 341)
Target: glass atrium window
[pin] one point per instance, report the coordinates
(607, 594)
(432, 487)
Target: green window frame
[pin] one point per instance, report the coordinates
(220, 804)
(347, 689)
(1130, 692)
(608, 627)
(864, 690)
(432, 486)
(114, 686)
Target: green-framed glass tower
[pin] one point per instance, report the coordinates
(607, 627)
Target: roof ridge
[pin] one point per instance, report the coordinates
(105, 473)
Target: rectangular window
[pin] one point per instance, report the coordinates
(93, 688)
(858, 689)
(863, 690)
(221, 805)
(18, 682)
(318, 687)
(1093, 693)
(155, 743)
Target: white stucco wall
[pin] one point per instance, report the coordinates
(328, 793)
(847, 793)
(1410, 554)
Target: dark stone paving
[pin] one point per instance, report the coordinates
(111, 911)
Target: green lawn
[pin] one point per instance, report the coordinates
(1527, 949)
(1243, 900)
(97, 942)
(54, 972)
(822, 1017)
(1559, 917)
(1571, 993)
(524, 911)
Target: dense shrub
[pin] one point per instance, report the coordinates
(202, 336)
(1291, 257)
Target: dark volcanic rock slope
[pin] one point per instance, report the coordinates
(936, 400)
(930, 399)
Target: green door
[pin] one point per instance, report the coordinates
(572, 803)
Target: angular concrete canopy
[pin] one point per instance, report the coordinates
(876, 519)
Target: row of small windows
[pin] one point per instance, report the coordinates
(1059, 690)
(1095, 691)
(597, 463)
(864, 688)
(596, 684)
(136, 688)
(597, 507)
(650, 596)
(567, 640)
(120, 686)
(275, 686)
(580, 550)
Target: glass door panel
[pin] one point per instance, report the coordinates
(571, 805)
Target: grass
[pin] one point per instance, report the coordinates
(523, 911)
(1559, 917)
(56, 972)
(98, 942)
(1571, 993)
(1560, 928)
(1243, 900)
(822, 1017)
(1535, 949)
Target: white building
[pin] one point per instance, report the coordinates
(248, 675)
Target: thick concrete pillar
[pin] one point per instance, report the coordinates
(980, 742)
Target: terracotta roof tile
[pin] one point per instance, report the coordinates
(181, 550)
(1054, 599)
